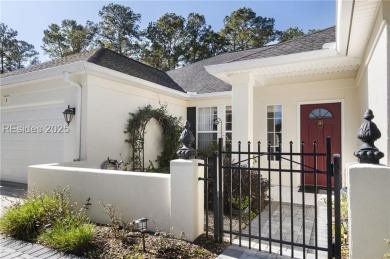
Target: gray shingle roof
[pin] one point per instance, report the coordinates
(112, 60)
(49, 64)
(194, 77)
(109, 59)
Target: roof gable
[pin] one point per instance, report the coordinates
(195, 78)
(109, 59)
(112, 60)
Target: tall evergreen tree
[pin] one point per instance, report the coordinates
(68, 38)
(14, 53)
(22, 55)
(165, 41)
(312, 31)
(290, 33)
(243, 29)
(7, 42)
(119, 29)
(201, 41)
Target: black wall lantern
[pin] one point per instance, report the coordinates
(68, 114)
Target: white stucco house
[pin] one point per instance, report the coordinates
(304, 89)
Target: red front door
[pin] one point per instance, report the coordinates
(319, 121)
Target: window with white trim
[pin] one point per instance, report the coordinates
(274, 127)
(213, 123)
(207, 129)
(228, 127)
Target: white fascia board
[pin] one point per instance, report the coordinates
(250, 65)
(110, 74)
(16, 80)
(83, 67)
(344, 11)
(227, 94)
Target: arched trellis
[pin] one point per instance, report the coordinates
(136, 125)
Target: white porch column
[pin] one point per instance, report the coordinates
(369, 210)
(242, 103)
(187, 202)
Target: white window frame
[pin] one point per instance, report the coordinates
(275, 145)
(198, 130)
(226, 131)
(221, 127)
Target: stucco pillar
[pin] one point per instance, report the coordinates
(242, 103)
(187, 200)
(369, 209)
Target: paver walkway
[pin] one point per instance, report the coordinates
(235, 251)
(12, 248)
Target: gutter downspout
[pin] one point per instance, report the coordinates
(78, 114)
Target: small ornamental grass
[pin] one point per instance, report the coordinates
(70, 234)
(26, 220)
(49, 218)
(22, 221)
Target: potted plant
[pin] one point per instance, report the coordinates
(236, 208)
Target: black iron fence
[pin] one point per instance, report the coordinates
(239, 193)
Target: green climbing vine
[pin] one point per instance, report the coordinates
(171, 129)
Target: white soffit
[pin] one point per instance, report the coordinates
(314, 67)
(363, 18)
(326, 61)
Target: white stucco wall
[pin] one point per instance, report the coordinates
(291, 96)
(369, 210)
(374, 78)
(108, 105)
(136, 195)
(205, 101)
(173, 203)
(187, 198)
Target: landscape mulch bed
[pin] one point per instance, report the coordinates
(158, 245)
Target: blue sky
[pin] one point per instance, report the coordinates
(30, 18)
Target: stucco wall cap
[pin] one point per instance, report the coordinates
(357, 165)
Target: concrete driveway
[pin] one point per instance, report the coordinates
(10, 193)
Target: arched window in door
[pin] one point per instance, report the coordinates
(320, 113)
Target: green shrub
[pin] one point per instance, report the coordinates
(22, 221)
(26, 220)
(236, 202)
(231, 183)
(258, 199)
(171, 129)
(70, 234)
(49, 218)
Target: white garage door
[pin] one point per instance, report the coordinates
(30, 136)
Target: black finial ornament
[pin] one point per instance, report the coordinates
(186, 138)
(368, 134)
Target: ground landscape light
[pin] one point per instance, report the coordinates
(142, 225)
(68, 114)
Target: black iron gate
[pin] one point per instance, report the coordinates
(229, 183)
